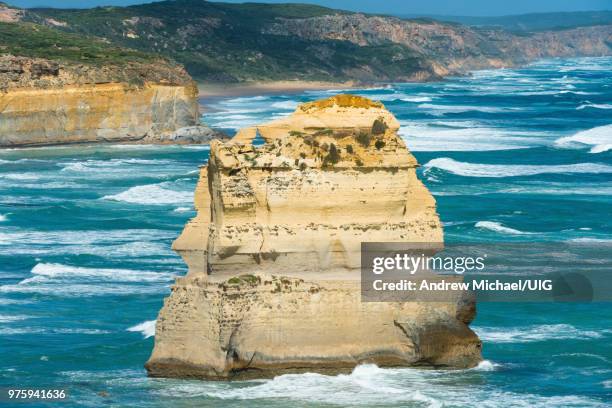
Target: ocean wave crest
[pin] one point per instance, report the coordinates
(440, 110)
(152, 194)
(600, 138)
(536, 333)
(365, 385)
(466, 169)
(498, 227)
(54, 270)
(594, 106)
(464, 136)
(147, 328)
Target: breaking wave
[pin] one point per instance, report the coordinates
(465, 136)
(54, 270)
(513, 170)
(367, 383)
(600, 138)
(151, 194)
(146, 328)
(535, 333)
(440, 110)
(497, 227)
(594, 106)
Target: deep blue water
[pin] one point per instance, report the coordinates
(511, 155)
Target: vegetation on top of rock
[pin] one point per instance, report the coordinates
(343, 101)
(37, 41)
(332, 157)
(379, 127)
(363, 138)
(36, 55)
(379, 144)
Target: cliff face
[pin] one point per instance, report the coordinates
(274, 254)
(45, 102)
(449, 48)
(225, 42)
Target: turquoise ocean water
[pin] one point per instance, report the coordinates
(513, 154)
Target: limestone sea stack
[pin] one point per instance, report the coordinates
(274, 254)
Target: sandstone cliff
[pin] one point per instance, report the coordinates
(45, 102)
(274, 254)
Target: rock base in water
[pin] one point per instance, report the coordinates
(274, 254)
(256, 326)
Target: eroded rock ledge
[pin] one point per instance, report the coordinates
(274, 254)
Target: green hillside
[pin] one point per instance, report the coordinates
(224, 42)
(33, 40)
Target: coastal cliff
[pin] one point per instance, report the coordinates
(225, 42)
(274, 254)
(58, 88)
(43, 102)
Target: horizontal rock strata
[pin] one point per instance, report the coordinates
(43, 102)
(274, 254)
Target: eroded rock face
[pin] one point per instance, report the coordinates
(274, 254)
(43, 102)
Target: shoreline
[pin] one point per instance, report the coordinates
(223, 90)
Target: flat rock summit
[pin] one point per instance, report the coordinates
(274, 254)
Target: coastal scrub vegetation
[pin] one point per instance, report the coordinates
(364, 138)
(332, 157)
(37, 41)
(379, 127)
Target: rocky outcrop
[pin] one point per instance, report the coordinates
(274, 254)
(198, 134)
(46, 102)
(448, 48)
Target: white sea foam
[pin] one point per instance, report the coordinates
(440, 110)
(607, 384)
(182, 209)
(600, 138)
(67, 289)
(498, 170)
(590, 240)
(537, 188)
(21, 176)
(287, 105)
(54, 270)
(487, 365)
(535, 333)
(117, 165)
(244, 99)
(459, 136)
(146, 328)
(40, 330)
(3, 217)
(12, 318)
(367, 384)
(498, 227)
(416, 99)
(595, 106)
(16, 237)
(152, 194)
